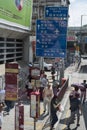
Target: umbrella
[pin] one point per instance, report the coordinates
(77, 85)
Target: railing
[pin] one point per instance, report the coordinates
(63, 90)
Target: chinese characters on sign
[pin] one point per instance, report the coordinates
(59, 12)
(51, 38)
(51, 34)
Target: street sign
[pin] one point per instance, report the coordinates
(59, 12)
(51, 38)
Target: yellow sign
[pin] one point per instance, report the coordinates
(11, 70)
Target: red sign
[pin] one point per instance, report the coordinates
(11, 81)
(71, 38)
(10, 78)
(11, 92)
(35, 73)
(19, 117)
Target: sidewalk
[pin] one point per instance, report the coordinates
(43, 122)
(62, 125)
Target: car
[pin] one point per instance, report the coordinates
(47, 66)
(36, 64)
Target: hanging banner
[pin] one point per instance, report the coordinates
(17, 13)
(11, 81)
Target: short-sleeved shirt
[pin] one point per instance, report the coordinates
(74, 104)
(48, 92)
(84, 87)
(2, 95)
(43, 82)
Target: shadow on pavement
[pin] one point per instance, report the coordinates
(47, 123)
(84, 109)
(42, 116)
(70, 129)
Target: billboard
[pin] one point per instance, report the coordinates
(17, 13)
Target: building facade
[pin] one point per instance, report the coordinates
(17, 43)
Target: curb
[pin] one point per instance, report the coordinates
(63, 102)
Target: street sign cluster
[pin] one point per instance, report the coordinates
(51, 35)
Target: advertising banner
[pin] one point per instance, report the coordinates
(17, 13)
(19, 117)
(35, 104)
(11, 81)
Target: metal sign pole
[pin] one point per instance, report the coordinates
(34, 123)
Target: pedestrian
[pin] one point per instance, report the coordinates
(75, 107)
(27, 92)
(43, 84)
(9, 105)
(54, 107)
(47, 96)
(76, 90)
(1, 114)
(2, 95)
(83, 91)
(53, 70)
(29, 78)
(55, 86)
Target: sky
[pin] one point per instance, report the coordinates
(76, 9)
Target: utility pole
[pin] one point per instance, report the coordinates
(41, 60)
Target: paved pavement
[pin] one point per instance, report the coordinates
(43, 122)
(62, 125)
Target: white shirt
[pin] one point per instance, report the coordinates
(48, 92)
(43, 82)
(2, 95)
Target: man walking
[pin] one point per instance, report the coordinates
(54, 108)
(47, 96)
(75, 106)
(43, 84)
(83, 91)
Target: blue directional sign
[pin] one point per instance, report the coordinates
(51, 38)
(59, 12)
